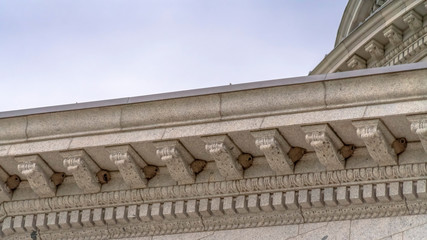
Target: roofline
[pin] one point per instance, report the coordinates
(214, 90)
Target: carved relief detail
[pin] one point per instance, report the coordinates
(356, 63)
(326, 144)
(225, 153)
(419, 126)
(375, 49)
(38, 175)
(83, 169)
(242, 211)
(394, 35)
(275, 149)
(378, 140)
(5, 193)
(177, 160)
(124, 158)
(292, 182)
(414, 20)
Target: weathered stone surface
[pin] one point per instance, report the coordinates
(177, 160)
(378, 140)
(225, 153)
(276, 149)
(326, 144)
(84, 170)
(129, 164)
(38, 175)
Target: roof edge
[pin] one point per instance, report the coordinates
(214, 90)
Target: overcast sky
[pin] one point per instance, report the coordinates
(68, 51)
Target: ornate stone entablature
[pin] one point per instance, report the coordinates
(313, 149)
(395, 33)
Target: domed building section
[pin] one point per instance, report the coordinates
(377, 34)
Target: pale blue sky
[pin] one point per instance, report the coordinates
(60, 52)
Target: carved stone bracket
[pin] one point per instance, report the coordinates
(375, 49)
(225, 154)
(177, 160)
(419, 126)
(356, 62)
(394, 35)
(129, 164)
(275, 149)
(84, 170)
(414, 20)
(5, 193)
(38, 175)
(378, 140)
(326, 144)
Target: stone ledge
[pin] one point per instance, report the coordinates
(249, 103)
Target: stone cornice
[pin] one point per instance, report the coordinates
(290, 99)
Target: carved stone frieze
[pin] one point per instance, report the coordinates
(326, 144)
(419, 126)
(38, 175)
(126, 159)
(295, 182)
(84, 170)
(393, 34)
(275, 149)
(375, 49)
(378, 140)
(241, 211)
(225, 154)
(414, 20)
(356, 63)
(177, 160)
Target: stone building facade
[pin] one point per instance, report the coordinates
(338, 154)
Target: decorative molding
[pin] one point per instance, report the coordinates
(253, 210)
(84, 170)
(326, 144)
(294, 182)
(375, 49)
(125, 158)
(275, 149)
(414, 20)
(225, 154)
(404, 51)
(419, 126)
(378, 140)
(356, 63)
(394, 35)
(38, 175)
(177, 160)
